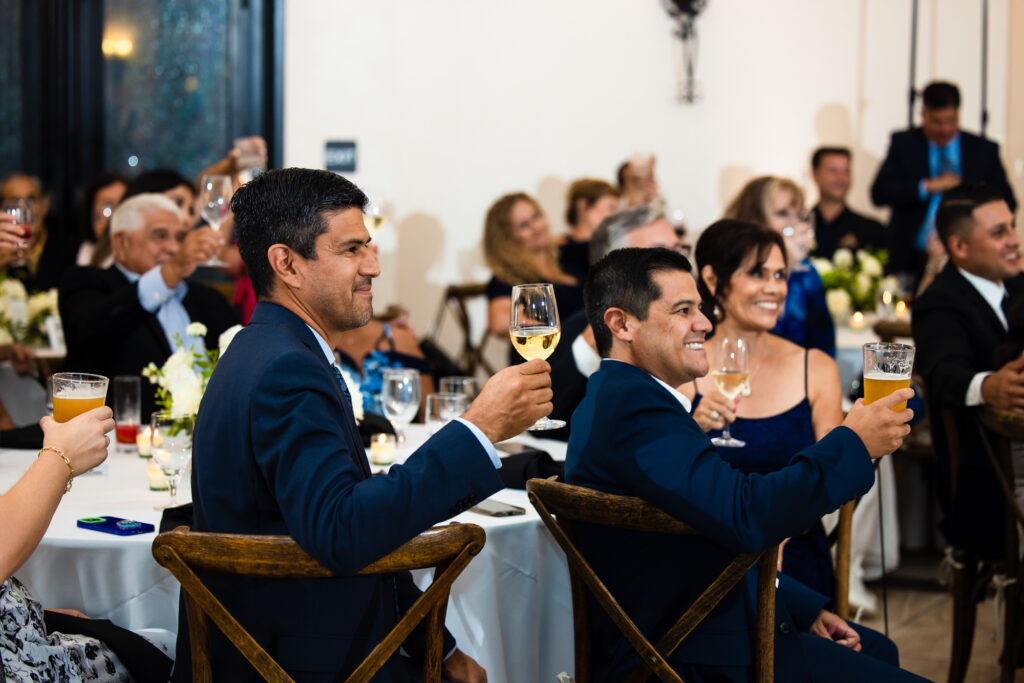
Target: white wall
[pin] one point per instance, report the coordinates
(455, 102)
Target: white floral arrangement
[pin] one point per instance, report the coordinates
(23, 317)
(182, 380)
(852, 280)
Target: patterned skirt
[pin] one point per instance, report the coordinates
(28, 653)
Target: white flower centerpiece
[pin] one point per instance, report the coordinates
(22, 316)
(182, 379)
(852, 281)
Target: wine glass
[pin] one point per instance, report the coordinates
(400, 396)
(24, 216)
(215, 204)
(172, 449)
(731, 374)
(374, 217)
(535, 330)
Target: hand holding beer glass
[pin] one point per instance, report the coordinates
(887, 369)
(77, 392)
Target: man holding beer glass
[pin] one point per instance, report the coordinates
(958, 322)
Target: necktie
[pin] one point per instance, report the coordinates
(341, 383)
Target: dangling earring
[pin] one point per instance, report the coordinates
(717, 312)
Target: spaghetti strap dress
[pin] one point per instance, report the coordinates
(771, 442)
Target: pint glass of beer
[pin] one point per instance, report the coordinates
(887, 368)
(77, 392)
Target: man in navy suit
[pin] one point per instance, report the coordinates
(276, 449)
(921, 165)
(633, 435)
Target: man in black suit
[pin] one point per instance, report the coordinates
(921, 165)
(958, 322)
(120, 319)
(835, 224)
(576, 358)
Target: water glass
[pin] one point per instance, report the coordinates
(400, 396)
(442, 408)
(127, 390)
(458, 385)
(172, 448)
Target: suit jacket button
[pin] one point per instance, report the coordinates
(786, 628)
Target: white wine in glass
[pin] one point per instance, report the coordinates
(215, 204)
(731, 373)
(535, 330)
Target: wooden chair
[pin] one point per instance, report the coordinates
(576, 504)
(456, 298)
(844, 534)
(185, 553)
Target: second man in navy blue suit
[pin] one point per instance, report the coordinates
(633, 435)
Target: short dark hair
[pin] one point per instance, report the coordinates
(822, 152)
(622, 279)
(158, 180)
(956, 211)
(287, 206)
(941, 95)
(589, 190)
(724, 245)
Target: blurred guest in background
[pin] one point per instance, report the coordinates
(98, 201)
(575, 358)
(778, 203)
(835, 224)
(518, 249)
(921, 165)
(589, 201)
(794, 397)
(637, 183)
(119, 319)
(50, 251)
(171, 184)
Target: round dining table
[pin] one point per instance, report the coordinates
(510, 609)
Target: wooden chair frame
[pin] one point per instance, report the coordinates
(184, 552)
(578, 504)
(471, 353)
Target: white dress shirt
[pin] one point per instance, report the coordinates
(993, 293)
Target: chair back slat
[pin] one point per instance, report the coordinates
(578, 504)
(447, 549)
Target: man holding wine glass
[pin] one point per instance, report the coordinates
(119, 319)
(633, 435)
(277, 450)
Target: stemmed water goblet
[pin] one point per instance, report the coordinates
(172, 448)
(215, 204)
(400, 396)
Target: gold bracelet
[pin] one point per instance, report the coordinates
(71, 470)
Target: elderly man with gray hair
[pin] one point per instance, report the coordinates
(576, 357)
(119, 319)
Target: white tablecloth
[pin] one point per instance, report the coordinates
(510, 609)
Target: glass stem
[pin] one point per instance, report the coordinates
(172, 484)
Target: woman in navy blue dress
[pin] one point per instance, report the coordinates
(795, 396)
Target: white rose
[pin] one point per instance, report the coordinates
(843, 258)
(185, 400)
(864, 283)
(869, 264)
(889, 282)
(838, 302)
(196, 330)
(38, 304)
(357, 396)
(225, 338)
(12, 289)
(17, 312)
(822, 265)
(180, 360)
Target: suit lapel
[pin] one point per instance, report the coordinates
(155, 328)
(975, 300)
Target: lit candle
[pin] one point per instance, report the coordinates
(857, 320)
(142, 440)
(901, 309)
(157, 480)
(382, 448)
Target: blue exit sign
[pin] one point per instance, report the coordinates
(340, 156)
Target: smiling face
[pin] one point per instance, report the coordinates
(669, 344)
(529, 226)
(992, 248)
(151, 245)
(338, 289)
(833, 177)
(591, 216)
(756, 293)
